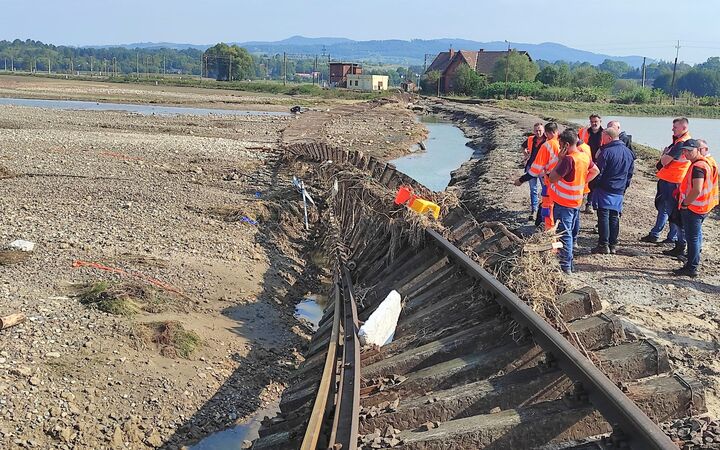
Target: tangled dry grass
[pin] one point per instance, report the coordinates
(170, 338)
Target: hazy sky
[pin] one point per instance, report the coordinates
(616, 27)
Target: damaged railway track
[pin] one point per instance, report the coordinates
(471, 364)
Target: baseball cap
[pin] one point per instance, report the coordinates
(689, 144)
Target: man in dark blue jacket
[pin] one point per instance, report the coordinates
(616, 164)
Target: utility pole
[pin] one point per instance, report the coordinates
(229, 68)
(48, 66)
(643, 72)
(137, 65)
(5, 65)
(114, 62)
(507, 69)
(284, 68)
(672, 84)
(91, 66)
(72, 67)
(315, 67)
(164, 70)
(12, 64)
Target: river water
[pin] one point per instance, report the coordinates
(138, 109)
(445, 152)
(657, 131)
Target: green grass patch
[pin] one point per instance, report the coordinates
(170, 338)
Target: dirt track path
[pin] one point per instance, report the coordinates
(636, 283)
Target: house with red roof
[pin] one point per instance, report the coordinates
(481, 61)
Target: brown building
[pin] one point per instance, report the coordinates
(340, 70)
(482, 62)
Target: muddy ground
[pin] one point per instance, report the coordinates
(195, 214)
(636, 284)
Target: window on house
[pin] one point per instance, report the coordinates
(356, 82)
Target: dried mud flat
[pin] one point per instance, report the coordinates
(636, 284)
(198, 205)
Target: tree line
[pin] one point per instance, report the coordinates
(584, 82)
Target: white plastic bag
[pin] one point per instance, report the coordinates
(25, 246)
(379, 329)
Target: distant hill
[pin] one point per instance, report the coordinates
(399, 51)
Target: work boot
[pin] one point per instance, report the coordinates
(612, 249)
(669, 241)
(588, 208)
(650, 238)
(532, 216)
(600, 250)
(685, 272)
(678, 250)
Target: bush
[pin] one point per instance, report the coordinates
(589, 95)
(514, 89)
(558, 94)
(637, 96)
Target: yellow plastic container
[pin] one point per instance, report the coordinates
(421, 206)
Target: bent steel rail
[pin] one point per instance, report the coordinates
(637, 428)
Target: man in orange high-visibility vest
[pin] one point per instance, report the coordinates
(545, 161)
(697, 198)
(567, 183)
(705, 152)
(672, 167)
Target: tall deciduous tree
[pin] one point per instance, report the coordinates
(518, 67)
(227, 63)
(467, 81)
(555, 75)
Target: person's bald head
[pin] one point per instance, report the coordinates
(613, 133)
(614, 124)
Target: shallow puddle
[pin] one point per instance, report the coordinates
(232, 438)
(310, 310)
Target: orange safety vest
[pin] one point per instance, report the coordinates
(546, 159)
(530, 142)
(570, 194)
(584, 134)
(706, 201)
(714, 166)
(585, 149)
(676, 169)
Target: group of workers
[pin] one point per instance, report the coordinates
(594, 166)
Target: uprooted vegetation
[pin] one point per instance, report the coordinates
(122, 299)
(170, 338)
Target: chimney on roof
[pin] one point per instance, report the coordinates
(452, 53)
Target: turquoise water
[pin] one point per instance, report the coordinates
(139, 109)
(445, 152)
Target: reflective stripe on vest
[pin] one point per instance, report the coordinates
(675, 170)
(570, 194)
(714, 167)
(706, 200)
(546, 159)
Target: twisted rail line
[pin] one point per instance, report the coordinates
(471, 364)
